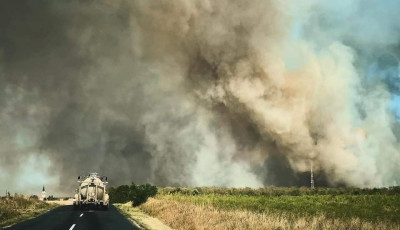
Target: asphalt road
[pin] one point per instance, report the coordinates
(65, 217)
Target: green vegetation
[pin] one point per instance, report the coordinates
(343, 203)
(17, 208)
(279, 191)
(137, 194)
(368, 207)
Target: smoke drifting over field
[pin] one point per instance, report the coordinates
(229, 93)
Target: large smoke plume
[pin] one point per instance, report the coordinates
(228, 93)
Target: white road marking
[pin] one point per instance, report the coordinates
(81, 215)
(136, 224)
(72, 227)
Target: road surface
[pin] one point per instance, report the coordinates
(65, 217)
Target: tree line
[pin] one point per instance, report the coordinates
(137, 194)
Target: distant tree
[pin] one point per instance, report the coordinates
(140, 193)
(51, 197)
(123, 193)
(137, 194)
(112, 193)
(119, 194)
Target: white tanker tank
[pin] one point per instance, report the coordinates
(91, 192)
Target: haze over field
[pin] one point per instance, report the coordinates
(226, 93)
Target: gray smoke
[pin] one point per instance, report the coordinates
(228, 93)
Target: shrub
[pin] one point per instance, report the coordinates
(34, 197)
(137, 194)
(119, 194)
(140, 193)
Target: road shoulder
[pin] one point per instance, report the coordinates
(144, 220)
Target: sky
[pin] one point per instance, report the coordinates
(199, 93)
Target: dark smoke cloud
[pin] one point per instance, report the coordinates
(47, 69)
(192, 93)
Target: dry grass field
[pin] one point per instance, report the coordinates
(18, 208)
(187, 216)
(221, 210)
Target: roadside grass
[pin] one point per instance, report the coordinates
(18, 208)
(131, 212)
(144, 220)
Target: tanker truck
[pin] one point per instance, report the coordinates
(91, 192)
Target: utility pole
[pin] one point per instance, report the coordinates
(312, 176)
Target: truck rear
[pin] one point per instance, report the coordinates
(91, 192)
